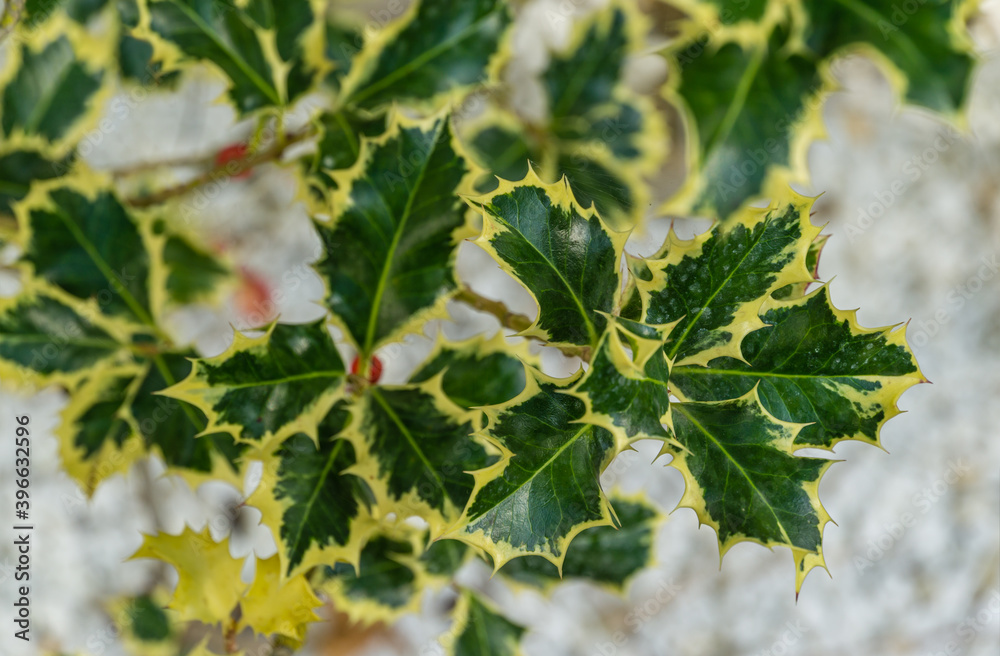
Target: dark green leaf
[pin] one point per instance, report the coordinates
(813, 365)
(548, 489)
(565, 256)
(480, 630)
(476, 372)
(91, 247)
(742, 479)
(276, 385)
(20, 168)
(602, 554)
(390, 249)
(441, 46)
(51, 91)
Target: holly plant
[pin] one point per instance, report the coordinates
(405, 138)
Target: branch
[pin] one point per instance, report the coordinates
(11, 16)
(225, 171)
(513, 320)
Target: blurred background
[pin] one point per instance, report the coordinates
(914, 557)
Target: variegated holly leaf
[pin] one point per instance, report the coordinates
(478, 371)
(714, 285)
(193, 273)
(343, 42)
(438, 48)
(339, 147)
(747, 21)
(209, 585)
(391, 575)
(418, 448)
(270, 51)
(22, 166)
(276, 606)
(316, 510)
(743, 480)
(115, 419)
(397, 221)
(603, 555)
(626, 392)
(812, 263)
(51, 84)
(813, 364)
(36, 12)
(925, 44)
(386, 584)
(46, 339)
(145, 626)
(563, 254)
(80, 238)
(546, 489)
(267, 387)
(480, 630)
(604, 138)
(750, 113)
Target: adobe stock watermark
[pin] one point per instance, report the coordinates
(913, 169)
(956, 299)
(971, 626)
(638, 616)
(900, 14)
(921, 502)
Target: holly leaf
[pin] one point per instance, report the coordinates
(271, 52)
(45, 339)
(274, 606)
(115, 419)
(480, 630)
(391, 244)
(603, 555)
(79, 237)
(742, 479)
(750, 114)
(209, 585)
(813, 364)
(924, 45)
(418, 446)
(193, 274)
(386, 584)
(21, 166)
(748, 21)
(601, 136)
(628, 395)
(546, 488)
(269, 387)
(713, 285)
(339, 147)
(52, 84)
(145, 626)
(564, 255)
(477, 372)
(317, 511)
(437, 50)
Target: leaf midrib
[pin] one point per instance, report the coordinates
(397, 235)
(591, 330)
(417, 62)
(103, 266)
(721, 286)
(321, 479)
(312, 375)
(680, 407)
(538, 470)
(236, 58)
(409, 438)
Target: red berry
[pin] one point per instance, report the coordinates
(374, 372)
(233, 153)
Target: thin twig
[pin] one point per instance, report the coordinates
(12, 11)
(513, 320)
(228, 170)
